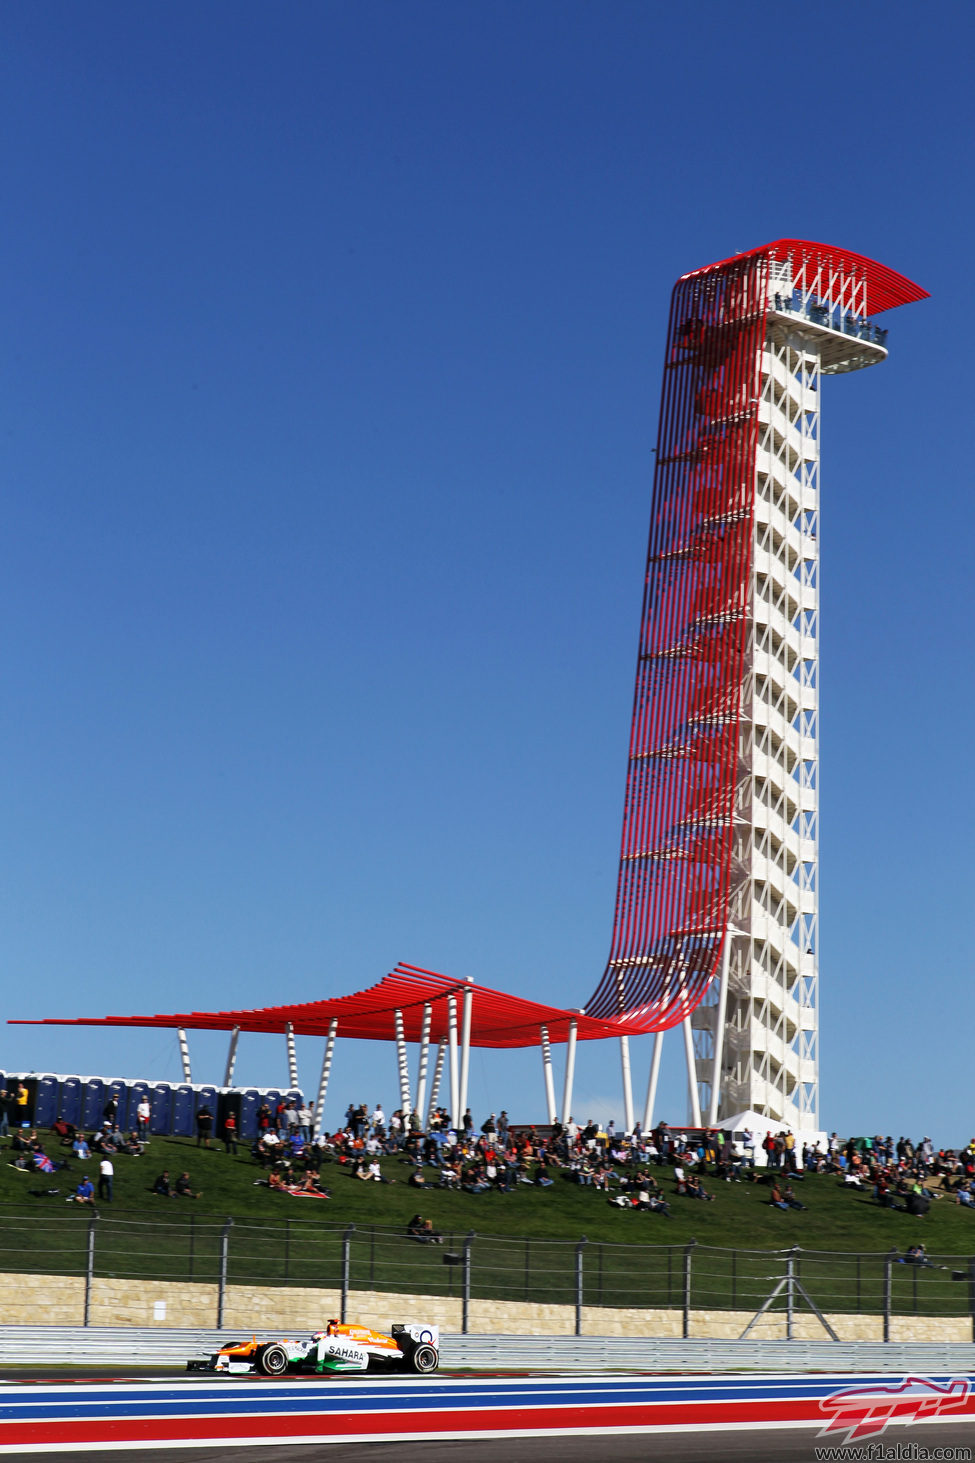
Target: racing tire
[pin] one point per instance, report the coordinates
(272, 1360)
(424, 1359)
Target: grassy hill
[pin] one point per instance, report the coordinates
(740, 1216)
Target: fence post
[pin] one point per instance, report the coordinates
(888, 1289)
(466, 1306)
(224, 1257)
(790, 1263)
(90, 1267)
(346, 1269)
(579, 1249)
(688, 1249)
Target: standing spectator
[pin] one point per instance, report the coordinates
(263, 1117)
(110, 1110)
(142, 1115)
(106, 1175)
(21, 1105)
(230, 1133)
(4, 1113)
(305, 1119)
(204, 1126)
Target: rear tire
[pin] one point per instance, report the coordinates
(272, 1360)
(425, 1359)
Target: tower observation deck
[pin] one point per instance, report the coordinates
(716, 923)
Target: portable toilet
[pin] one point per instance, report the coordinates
(70, 1105)
(272, 1097)
(183, 1122)
(206, 1097)
(161, 1100)
(46, 1102)
(27, 1118)
(137, 1091)
(93, 1103)
(228, 1101)
(250, 1100)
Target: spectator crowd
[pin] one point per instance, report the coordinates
(499, 1157)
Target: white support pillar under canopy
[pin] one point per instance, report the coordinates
(570, 1071)
(658, 1042)
(421, 1076)
(435, 1084)
(547, 1070)
(455, 1113)
(289, 1034)
(323, 1080)
(627, 1084)
(718, 1049)
(405, 1100)
(184, 1054)
(228, 1071)
(465, 1045)
(695, 1099)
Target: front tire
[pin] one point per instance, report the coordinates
(272, 1361)
(424, 1359)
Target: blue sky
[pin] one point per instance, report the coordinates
(331, 366)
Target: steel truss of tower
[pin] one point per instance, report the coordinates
(716, 918)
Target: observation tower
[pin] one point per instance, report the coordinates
(716, 924)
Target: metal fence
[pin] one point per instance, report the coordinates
(468, 1266)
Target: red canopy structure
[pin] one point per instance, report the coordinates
(408, 1005)
(496, 1020)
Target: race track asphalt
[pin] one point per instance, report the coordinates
(790, 1445)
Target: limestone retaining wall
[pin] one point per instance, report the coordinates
(59, 1300)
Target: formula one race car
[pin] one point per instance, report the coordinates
(339, 1348)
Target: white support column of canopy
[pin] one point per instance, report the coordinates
(570, 1071)
(184, 1054)
(437, 1074)
(627, 1084)
(289, 1033)
(465, 1045)
(692, 1091)
(718, 1047)
(406, 1106)
(455, 1113)
(333, 1027)
(547, 1070)
(421, 1076)
(228, 1071)
(658, 1042)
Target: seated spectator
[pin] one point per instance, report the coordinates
(183, 1190)
(423, 1231)
(66, 1132)
(416, 1179)
(648, 1200)
(789, 1195)
(162, 1186)
(775, 1198)
(915, 1255)
(695, 1189)
(84, 1193)
(963, 1194)
(80, 1148)
(542, 1177)
(313, 1185)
